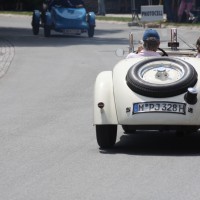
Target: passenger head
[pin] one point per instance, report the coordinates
(198, 44)
(151, 40)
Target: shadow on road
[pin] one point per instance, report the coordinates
(23, 37)
(157, 144)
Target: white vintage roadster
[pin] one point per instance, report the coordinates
(148, 94)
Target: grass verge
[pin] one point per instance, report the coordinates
(119, 19)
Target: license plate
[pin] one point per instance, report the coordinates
(72, 31)
(159, 107)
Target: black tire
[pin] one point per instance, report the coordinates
(47, 31)
(106, 135)
(137, 84)
(91, 31)
(35, 25)
(186, 131)
(128, 129)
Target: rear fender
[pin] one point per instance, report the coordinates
(36, 16)
(91, 19)
(103, 93)
(48, 19)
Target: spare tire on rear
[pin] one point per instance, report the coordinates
(161, 77)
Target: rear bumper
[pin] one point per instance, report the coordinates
(70, 24)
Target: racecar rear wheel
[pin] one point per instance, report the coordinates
(47, 31)
(35, 25)
(161, 77)
(128, 129)
(106, 135)
(91, 31)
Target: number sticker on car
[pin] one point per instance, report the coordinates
(159, 107)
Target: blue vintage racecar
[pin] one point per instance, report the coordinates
(64, 20)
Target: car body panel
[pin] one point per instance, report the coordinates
(91, 19)
(124, 98)
(68, 18)
(103, 92)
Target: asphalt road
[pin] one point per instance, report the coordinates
(48, 149)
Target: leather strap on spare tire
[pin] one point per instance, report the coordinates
(153, 68)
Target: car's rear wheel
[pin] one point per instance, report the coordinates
(47, 31)
(106, 135)
(128, 129)
(183, 131)
(91, 31)
(35, 25)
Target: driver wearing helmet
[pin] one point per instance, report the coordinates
(151, 43)
(65, 3)
(76, 3)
